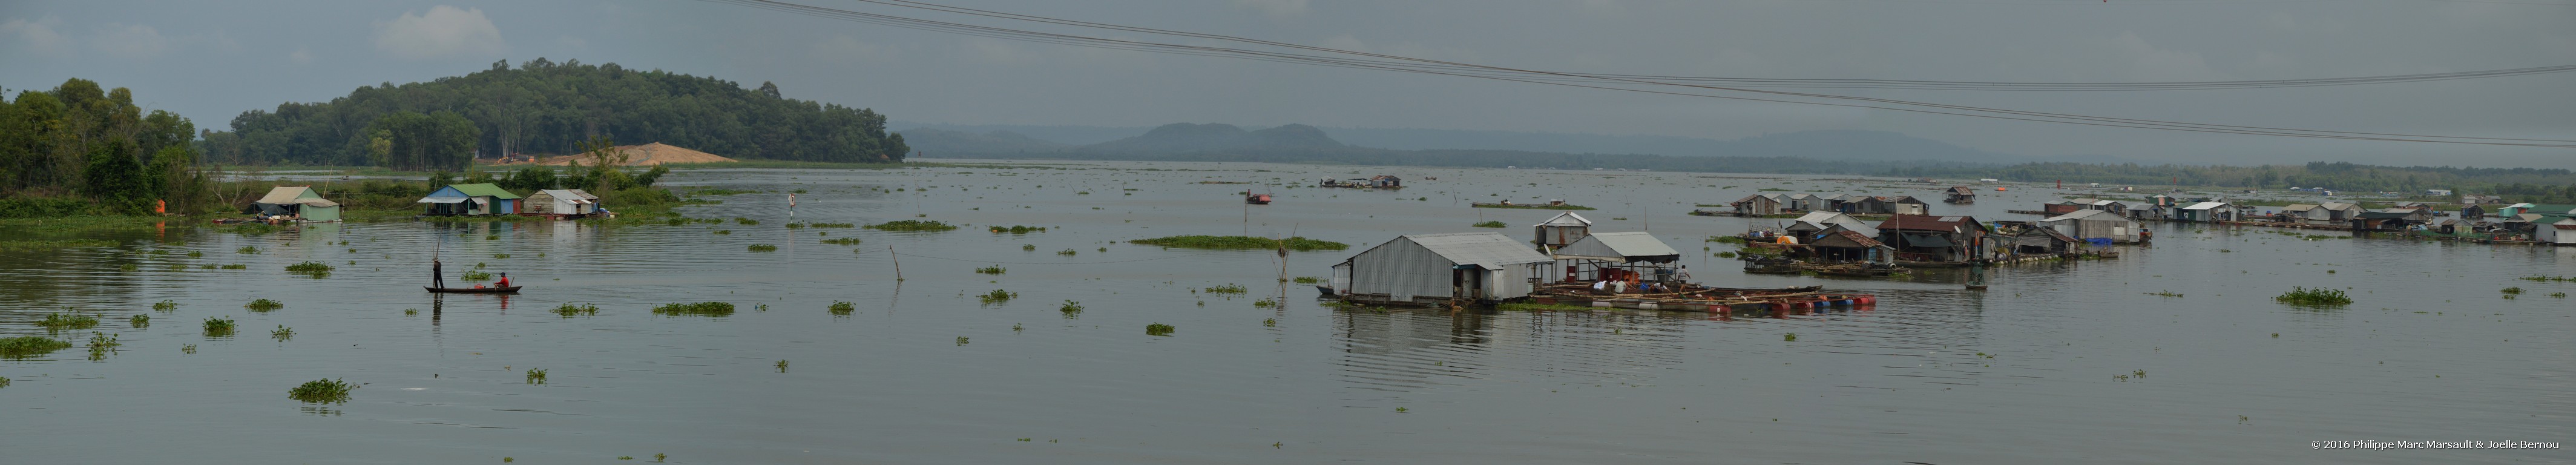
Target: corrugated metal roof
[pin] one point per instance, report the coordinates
(1565, 219)
(1489, 250)
(2205, 205)
(483, 190)
(286, 194)
(569, 194)
(1622, 246)
(2086, 215)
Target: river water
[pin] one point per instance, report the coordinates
(922, 372)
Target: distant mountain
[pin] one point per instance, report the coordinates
(942, 141)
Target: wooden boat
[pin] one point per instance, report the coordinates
(473, 290)
(1257, 199)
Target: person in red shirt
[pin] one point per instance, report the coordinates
(505, 281)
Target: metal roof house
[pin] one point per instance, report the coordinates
(471, 199)
(2094, 224)
(1817, 223)
(300, 202)
(1618, 255)
(1439, 269)
(2206, 212)
(561, 203)
(1759, 205)
(2562, 232)
(1934, 240)
(1808, 202)
(1561, 230)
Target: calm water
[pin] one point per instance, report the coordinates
(2431, 349)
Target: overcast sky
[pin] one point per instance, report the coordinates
(213, 60)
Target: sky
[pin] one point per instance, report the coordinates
(210, 61)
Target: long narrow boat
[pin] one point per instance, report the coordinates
(473, 290)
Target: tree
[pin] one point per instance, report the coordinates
(412, 141)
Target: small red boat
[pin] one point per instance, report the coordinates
(473, 290)
(1257, 199)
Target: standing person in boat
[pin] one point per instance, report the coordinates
(437, 274)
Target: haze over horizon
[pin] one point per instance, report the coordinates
(211, 62)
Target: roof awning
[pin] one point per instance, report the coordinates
(441, 200)
(1926, 240)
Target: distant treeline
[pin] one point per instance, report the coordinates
(1499, 159)
(543, 107)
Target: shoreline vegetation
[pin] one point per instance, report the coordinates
(1300, 243)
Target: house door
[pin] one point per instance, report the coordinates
(1466, 282)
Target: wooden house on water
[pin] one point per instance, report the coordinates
(1816, 224)
(1960, 194)
(561, 203)
(1618, 256)
(2064, 206)
(2391, 219)
(2045, 241)
(298, 202)
(1808, 202)
(471, 199)
(1922, 240)
(1849, 246)
(1560, 231)
(2094, 224)
(1760, 205)
(2206, 212)
(1439, 269)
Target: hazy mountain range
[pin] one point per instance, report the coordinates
(948, 140)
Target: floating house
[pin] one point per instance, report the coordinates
(471, 199)
(1816, 224)
(2206, 212)
(2391, 219)
(2473, 211)
(2162, 200)
(2093, 224)
(2562, 232)
(561, 203)
(1960, 194)
(1934, 240)
(2064, 206)
(1760, 205)
(2044, 241)
(1618, 256)
(1809, 202)
(1844, 245)
(1562, 230)
(299, 202)
(1438, 269)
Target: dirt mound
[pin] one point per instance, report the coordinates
(645, 155)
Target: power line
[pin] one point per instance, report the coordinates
(1384, 62)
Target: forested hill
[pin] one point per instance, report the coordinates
(541, 107)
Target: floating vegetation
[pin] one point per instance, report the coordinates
(246, 250)
(842, 241)
(1300, 244)
(724, 232)
(1726, 255)
(961, 340)
(140, 320)
(219, 326)
(1017, 229)
(314, 269)
(1066, 252)
(997, 296)
(911, 225)
(1308, 280)
(491, 237)
(1270, 322)
(188, 349)
(1265, 303)
(1491, 224)
(2319, 297)
(322, 391)
(782, 366)
(795, 225)
(570, 310)
(2547, 278)
(31, 246)
(477, 275)
(1070, 309)
(500, 255)
(282, 333)
(1791, 337)
(2164, 294)
(843, 308)
(2513, 290)
(831, 225)
(1158, 329)
(21, 347)
(536, 376)
(58, 321)
(263, 305)
(236, 266)
(764, 247)
(1226, 289)
(696, 309)
(1028, 247)
(995, 269)
(745, 221)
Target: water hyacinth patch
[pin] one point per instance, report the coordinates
(1491, 224)
(1070, 309)
(695, 309)
(2319, 297)
(1226, 289)
(995, 269)
(911, 225)
(322, 391)
(218, 326)
(477, 276)
(764, 247)
(1300, 244)
(166, 306)
(842, 241)
(1016, 229)
(314, 269)
(282, 333)
(140, 320)
(997, 296)
(59, 321)
(263, 305)
(536, 376)
(843, 308)
(21, 347)
(570, 310)
(1158, 329)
